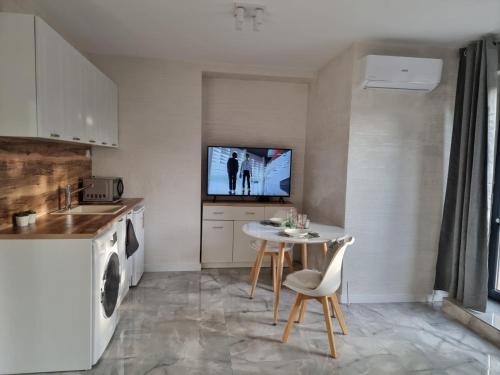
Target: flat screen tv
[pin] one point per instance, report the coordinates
(249, 171)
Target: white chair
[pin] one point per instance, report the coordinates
(272, 249)
(321, 286)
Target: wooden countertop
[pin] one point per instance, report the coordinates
(69, 226)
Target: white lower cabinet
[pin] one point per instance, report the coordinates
(242, 252)
(217, 241)
(223, 242)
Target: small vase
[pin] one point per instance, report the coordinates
(32, 219)
(22, 221)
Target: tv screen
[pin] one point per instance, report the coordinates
(249, 171)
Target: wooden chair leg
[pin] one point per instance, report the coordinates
(304, 256)
(289, 261)
(329, 327)
(252, 271)
(332, 307)
(258, 264)
(338, 313)
(274, 264)
(293, 312)
(279, 274)
(302, 311)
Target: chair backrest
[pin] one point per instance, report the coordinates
(283, 212)
(332, 274)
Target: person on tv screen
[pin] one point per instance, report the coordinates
(232, 172)
(246, 171)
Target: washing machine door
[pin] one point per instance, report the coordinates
(110, 285)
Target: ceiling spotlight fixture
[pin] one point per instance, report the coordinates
(239, 17)
(258, 19)
(243, 10)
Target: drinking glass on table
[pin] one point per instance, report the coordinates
(302, 219)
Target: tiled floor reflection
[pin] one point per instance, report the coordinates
(491, 315)
(204, 323)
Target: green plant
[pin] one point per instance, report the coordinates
(22, 213)
(31, 212)
(290, 223)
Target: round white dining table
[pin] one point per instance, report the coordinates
(269, 233)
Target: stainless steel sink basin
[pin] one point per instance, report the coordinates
(92, 209)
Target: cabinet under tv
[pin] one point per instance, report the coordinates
(223, 242)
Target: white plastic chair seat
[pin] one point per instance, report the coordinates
(303, 281)
(271, 247)
(326, 282)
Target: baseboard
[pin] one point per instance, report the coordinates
(166, 267)
(383, 298)
(484, 327)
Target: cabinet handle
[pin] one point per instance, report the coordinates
(91, 141)
(218, 213)
(249, 213)
(104, 143)
(114, 144)
(120, 220)
(76, 138)
(217, 227)
(55, 135)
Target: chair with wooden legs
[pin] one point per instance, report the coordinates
(321, 286)
(272, 249)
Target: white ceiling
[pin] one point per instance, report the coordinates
(302, 34)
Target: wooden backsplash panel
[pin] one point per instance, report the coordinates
(34, 173)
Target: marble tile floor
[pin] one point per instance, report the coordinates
(204, 323)
(491, 315)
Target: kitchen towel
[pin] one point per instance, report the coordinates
(131, 243)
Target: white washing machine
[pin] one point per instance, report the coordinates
(106, 288)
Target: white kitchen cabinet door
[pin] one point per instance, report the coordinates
(217, 241)
(90, 98)
(113, 113)
(100, 120)
(73, 94)
(242, 252)
(50, 84)
(17, 76)
(107, 113)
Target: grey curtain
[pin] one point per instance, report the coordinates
(462, 263)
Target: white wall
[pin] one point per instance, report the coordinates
(325, 173)
(159, 154)
(254, 112)
(376, 162)
(398, 153)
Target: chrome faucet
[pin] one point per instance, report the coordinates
(69, 193)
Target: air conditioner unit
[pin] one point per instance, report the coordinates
(405, 73)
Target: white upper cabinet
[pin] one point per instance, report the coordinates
(57, 95)
(91, 98)
(51, 59)
(17, 76)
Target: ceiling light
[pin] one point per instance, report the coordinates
(244, 10)
(239, 17)
(258, 19)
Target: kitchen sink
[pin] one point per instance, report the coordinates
(91, 209)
